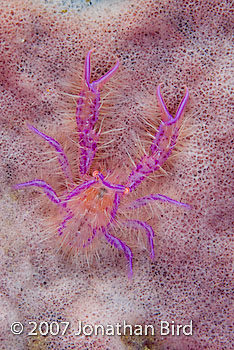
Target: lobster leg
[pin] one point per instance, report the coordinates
(148, 229)
(117, 243)
(46, 188)
(163, 144)
(58, 148)
(87, 113)
(156, 197)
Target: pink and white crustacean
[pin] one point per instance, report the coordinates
(90, 210)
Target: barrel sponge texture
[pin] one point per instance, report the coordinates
(176, 43)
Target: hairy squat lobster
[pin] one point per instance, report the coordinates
(90, 210)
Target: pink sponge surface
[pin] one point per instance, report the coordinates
(177, 43)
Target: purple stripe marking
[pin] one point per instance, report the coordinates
(115, 208)
(106, 76)
(107, 184)
(117, 243)
(58, 148)
(63, 224)
(80, 188)
(181, 107)
(90, 239)
(149, 231)
(162, 103)
(156, 197)
(87, 67)
(42, 184)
